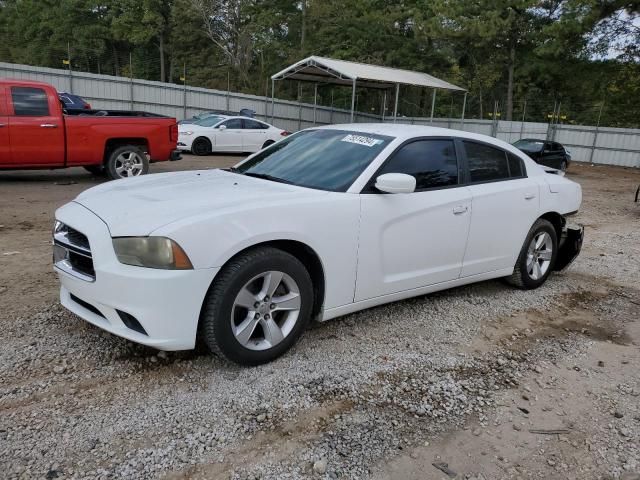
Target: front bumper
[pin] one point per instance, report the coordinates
(570, 247)
(165, 303)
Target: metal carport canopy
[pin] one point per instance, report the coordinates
(340, 72)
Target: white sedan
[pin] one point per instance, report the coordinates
(326, 222)
(222, 133)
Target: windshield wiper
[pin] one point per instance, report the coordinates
(266, 176)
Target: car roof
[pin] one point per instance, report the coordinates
(406, 132)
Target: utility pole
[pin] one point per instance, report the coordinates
(184, 80)
(69, 64)
(131, 79)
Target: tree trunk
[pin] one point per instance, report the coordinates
(512, 66)
(161, 48)
(303, 28)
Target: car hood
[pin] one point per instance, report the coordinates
(138, 206)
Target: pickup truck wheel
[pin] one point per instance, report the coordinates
(97, 170)
(257, 307)
(537, 257)
(201, 146)
(127, 161)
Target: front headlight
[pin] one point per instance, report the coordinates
(151, 252)
(186, 133)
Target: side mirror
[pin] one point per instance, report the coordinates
(396, 183)
(222, 127)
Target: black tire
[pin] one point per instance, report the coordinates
(267, 143)
(114, 162)
(520, 277)
(97, 170)
(215, 328)
(201, 146)
(563, 165)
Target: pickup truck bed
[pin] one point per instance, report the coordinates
(36, 132)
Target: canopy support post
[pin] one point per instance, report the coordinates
(273, 86)
(395, 106)
(433, 104)
(384, 104)
(353, 99)
(315, 102)
(464, 107)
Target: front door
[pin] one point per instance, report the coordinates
(505, 205)
(36, 133)
(229, 138)
(415, 239)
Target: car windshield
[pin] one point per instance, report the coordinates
(529, 145)
(209, 121)
(322, 159)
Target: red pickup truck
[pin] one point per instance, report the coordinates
(37, 132)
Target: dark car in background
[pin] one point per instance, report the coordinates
(244, 112)
(545, 152)
(73, 102)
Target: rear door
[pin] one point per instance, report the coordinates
(36, 128)
(5, 146)
(229, 138)
(254, 135)
(505, 203)
(411, 240)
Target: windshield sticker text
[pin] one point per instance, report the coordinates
(361, 140)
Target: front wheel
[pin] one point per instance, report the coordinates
(537, 257)
(127, 161)
(563, 165)
(258, 307)
(201, 146)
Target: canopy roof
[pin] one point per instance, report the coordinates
(341, 72)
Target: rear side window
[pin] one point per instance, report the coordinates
(516, 166)
(433, 163)
(486, 163)
(29, 102)
(233, 123)
(253, 124)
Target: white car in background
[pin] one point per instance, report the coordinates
(326, 222)
(225, 134)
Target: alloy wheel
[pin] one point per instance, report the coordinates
(539, 255)
(129, 164)
(265, 310)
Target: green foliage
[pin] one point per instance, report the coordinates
(545, 51)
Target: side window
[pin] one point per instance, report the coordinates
(557, 147)
(233, 123)
(486, 163)
(29, 102)
(253, 125)
(516, 166)
(432, 162)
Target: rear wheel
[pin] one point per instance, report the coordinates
(201, 146)
(563, 165)
(537, 257)
(267, 143)
(258, 307)
(127, 161)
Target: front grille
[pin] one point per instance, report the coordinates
(78, 239)
(72, 252)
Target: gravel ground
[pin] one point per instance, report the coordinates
(446, 384)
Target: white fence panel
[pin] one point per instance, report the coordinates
(612, 146)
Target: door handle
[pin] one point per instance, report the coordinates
(529, 196)
(459, 210)
(48, 125)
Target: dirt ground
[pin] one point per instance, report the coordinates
(567, 404)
